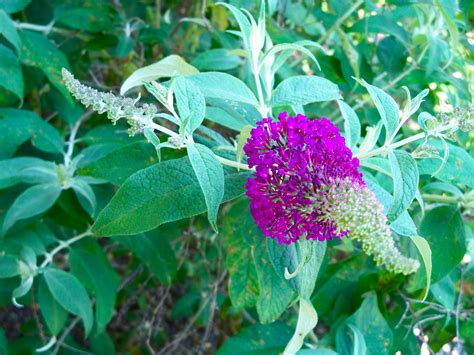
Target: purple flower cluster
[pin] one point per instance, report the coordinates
(297, 161)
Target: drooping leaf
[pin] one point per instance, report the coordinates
(351, 124)
(70, 294)
(210, 175)
(425, 251)
(302, 90)
(25, 170)
(8, 30)
(307, 320)
(165, 68)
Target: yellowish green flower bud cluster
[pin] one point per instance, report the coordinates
(138, 117)
(355, 209)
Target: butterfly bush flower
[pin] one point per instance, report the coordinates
(308, 184)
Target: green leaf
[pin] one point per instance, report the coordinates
(269, 339)
(12, 6)
(25, 170)
(304, 258)
(253, 280)
(223, 86)
(154, 250)
(425, 251)
(307, 320)
(240, 241)
(11, 77)
(93, 269)
(70, 294)
(368, 319)
(350, 340)
(443, 229)
(85, 195)
(54, 315)
(165, 68)
(110, 166)
(3, 343)
(444, 291)
(92, 16)
(386, 106)
(351, 124)
(164, 192)
(210, 175)
(302, 90)
(17, 126)
(8, 30)
(405, 182)
(459, 168)
(9, 266)
(31, 202)
(217, 59)
(243, 22)
(191, 103)
(381, 24)
(38, 51)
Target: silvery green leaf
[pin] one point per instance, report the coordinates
(386, 106)
(405, 182)
(307, 320)
(351, 124)
(190, 101)
(85, 195)
(165, 68)
(304, 89)
(210, 175)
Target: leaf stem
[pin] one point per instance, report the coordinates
(63, 244)
(234, 164)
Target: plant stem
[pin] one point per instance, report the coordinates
(234, 164)
(385, 148)
(63, 244)
(340, 21)
(263, 107)
(441, 198)
(72, 138)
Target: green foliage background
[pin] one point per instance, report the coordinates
(164, 280)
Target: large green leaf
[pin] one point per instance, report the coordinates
(253, 280)
(11, 6)
(164, 192)
(154, 250)
(223, 86)
(38, 51)
(165, 68)
(110, 163)
(93, 269)
(269, 339)
(302, 90)
(443, 229)
(351, 124)
(31, 202)
(9, 266)
(11, 77)
(210, 175)
(70, 294)
(368, 319)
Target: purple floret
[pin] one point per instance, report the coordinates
(297, 161)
